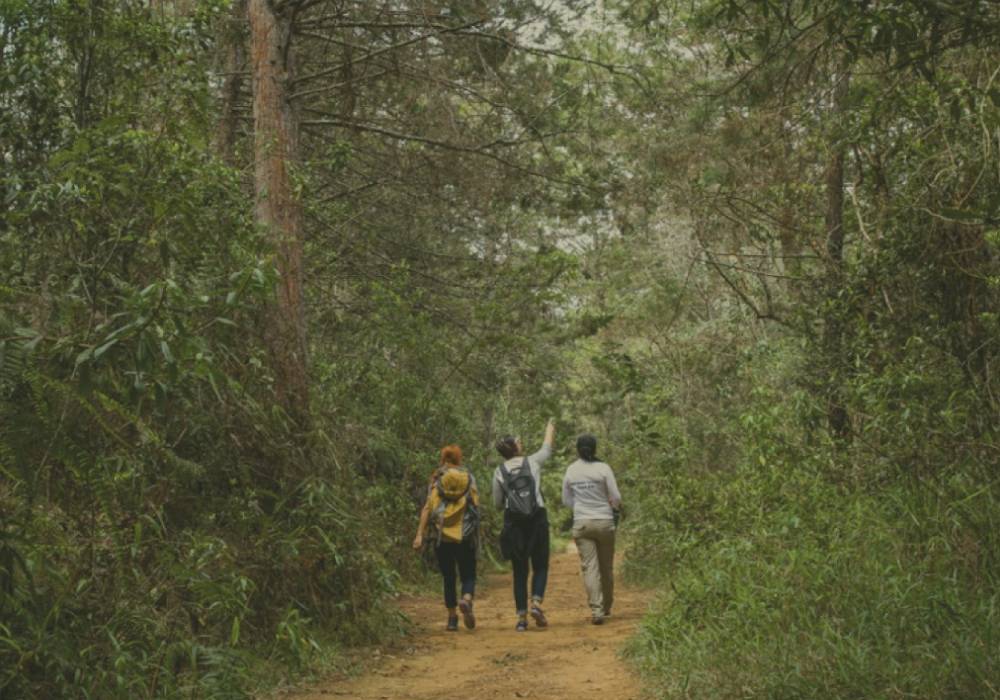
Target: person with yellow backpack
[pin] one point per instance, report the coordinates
(453, 507)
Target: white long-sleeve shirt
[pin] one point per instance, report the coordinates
(589, 488)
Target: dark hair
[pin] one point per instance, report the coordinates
(586, 447)
(507, 446)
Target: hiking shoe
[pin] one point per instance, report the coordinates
(539, 616)
(452, 623)
(597, 620)
(467, 617)
(522, 626)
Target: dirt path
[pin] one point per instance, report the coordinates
(571, 659)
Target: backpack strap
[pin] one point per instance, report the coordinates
(507, 476)
(506, 472)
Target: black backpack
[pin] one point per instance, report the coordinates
(522, 504)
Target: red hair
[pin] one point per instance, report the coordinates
(451, 455)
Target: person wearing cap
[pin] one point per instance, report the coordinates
(589, 488)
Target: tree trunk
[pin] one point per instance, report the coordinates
(234, 65)
(833, 328)
(276, 208)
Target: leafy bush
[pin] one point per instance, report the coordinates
(795, 575)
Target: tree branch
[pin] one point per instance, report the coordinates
(385, 49)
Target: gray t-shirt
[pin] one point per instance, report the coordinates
(513, 464)
(589, 488)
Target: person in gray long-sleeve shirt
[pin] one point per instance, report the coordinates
(589, 488)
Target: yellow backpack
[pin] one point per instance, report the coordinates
(455, 515)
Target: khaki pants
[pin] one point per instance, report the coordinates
(595, 540)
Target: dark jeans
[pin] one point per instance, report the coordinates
(462, 554)
(538, 558)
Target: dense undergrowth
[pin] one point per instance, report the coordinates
(165, 531)
(178, 538)
(799, 568)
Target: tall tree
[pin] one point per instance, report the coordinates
(837, 416)
(277, 209)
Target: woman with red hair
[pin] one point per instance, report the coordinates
(453, 504)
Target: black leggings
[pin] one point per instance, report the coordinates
(464, 555)
(538, 557)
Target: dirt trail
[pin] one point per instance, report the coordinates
(570, 659)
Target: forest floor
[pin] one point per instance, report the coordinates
(570, 659)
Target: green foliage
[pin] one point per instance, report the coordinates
(171, 532)
(640, 244)
(785, 583)
(794, 561)
(164, 531)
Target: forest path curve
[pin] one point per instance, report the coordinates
(570, 659)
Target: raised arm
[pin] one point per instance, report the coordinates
(550, 433)
(541, 457)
